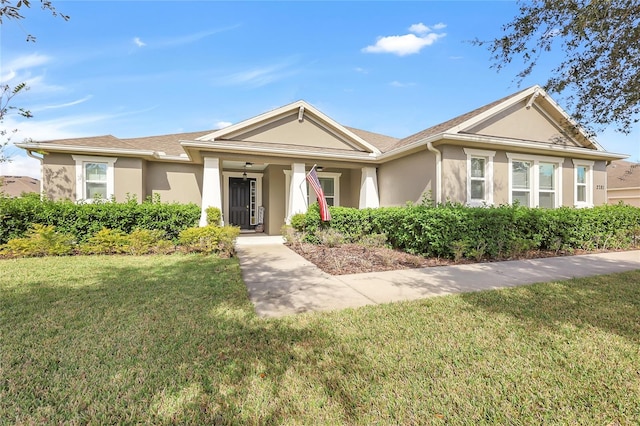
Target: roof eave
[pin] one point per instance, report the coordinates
(71, 149)
(277, 151)
(538, 146)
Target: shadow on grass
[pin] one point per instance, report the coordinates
(607, 302)
(158, 340)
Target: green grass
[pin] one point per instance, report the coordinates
(161, 340)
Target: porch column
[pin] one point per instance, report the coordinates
(211, 188)
(297, 191)
(369, 189)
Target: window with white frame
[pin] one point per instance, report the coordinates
(479, 176)
(94, 177)
(330, 183)
(583, 177)
(521, 182)
(535, 181)
(547, 185)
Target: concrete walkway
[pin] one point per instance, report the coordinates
(280, 282)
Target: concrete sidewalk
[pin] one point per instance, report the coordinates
(281, 282)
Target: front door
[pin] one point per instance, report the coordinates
(239, 202)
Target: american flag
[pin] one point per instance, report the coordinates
(312, 178)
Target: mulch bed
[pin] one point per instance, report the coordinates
(356, 258)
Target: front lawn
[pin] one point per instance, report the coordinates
(173, 339)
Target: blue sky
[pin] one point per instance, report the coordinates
(156, 67)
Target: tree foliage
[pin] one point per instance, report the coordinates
(12, 10)
(600, 40)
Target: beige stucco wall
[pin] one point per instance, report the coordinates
(406, 179)
(599, 183)
(288, 130)
(518, 122)
(129, 179)
(352, 187)
(180, 183)
(454, 174)
(59, 176)
(273, 198)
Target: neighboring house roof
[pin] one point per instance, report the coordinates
(623, 174)
(273, 133)
(14, 186)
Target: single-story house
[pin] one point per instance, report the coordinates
(517, 149)
(623, 183)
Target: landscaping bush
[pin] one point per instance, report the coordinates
(214, 216)
(210, 239)
(106, 241)
(40, 240)
(84, 220)
(456, 231)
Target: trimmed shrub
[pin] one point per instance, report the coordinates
(40, 240)
(83, 220)
(210, 239)
(214, 216)
(455, 231)
(106, 241)
(148, 241)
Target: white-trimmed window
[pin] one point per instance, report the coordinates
(583, 183)
(94, 177)
(547, 185)
(535, 181)
(479, 176)
(330, 183)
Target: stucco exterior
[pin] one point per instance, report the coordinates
(407, 179)
(129, 179)
(174, 183)
(59, 176)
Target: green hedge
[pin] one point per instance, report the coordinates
(83, 220)
(452, 231)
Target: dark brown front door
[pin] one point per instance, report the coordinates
(239, 199)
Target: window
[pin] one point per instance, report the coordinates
(583, 183)
(534, 181)
(94, 177)
(330, 183)
(547, 187)
(479, 176)
(521, 182)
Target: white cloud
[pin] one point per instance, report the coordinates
(20, 68)
(222, 124)
(407, 44)
(259, 77)
(361, 70)
(27, 61)
(419, 28)
(439, 26)
(68, 104)
(396, 83)
(139, 42)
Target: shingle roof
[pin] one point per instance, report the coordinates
(14, 186)
(623, 174)
(382, 142)
(169, 144)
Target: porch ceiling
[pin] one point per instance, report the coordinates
(237, 165)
